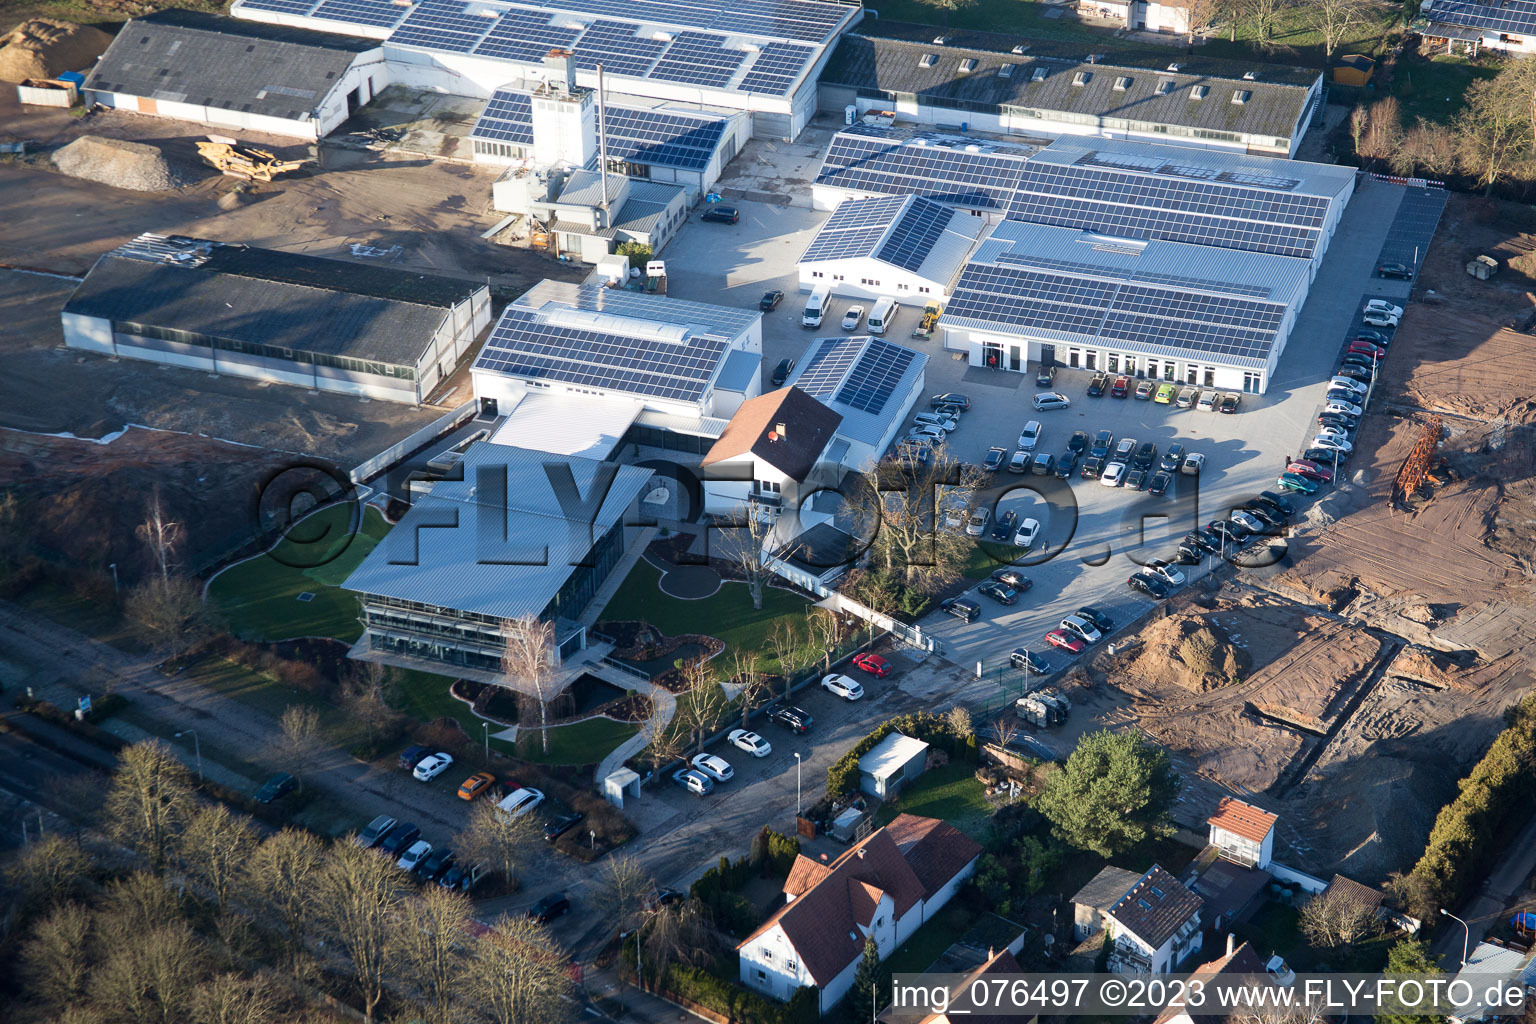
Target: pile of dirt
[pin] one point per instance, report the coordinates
(121, 164)
(1190, 651)
(43, 48)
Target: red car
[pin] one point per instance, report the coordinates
(1120, 388)
(873, 664)
(1366, 348)
(1066, 641)
(1304, 467)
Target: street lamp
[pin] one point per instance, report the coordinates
(197, 747)
(797, 783)
(113, 567)
(485, 727)
(1466, 938)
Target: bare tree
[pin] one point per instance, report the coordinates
(284, 877)
(301, 743)
(48, 873)
(900, 513)
(1426, 147)
(150, 800)
(702, 704)
(959, 720)
(1335, 19)
(677, 933)
(153, 977)
(1262, 15)
(431, 950)
(1333, 919)
(360, 893)
(56, 961)
(1494, 128)
(622, 888)
(215, 848)
(826, 629)
(787, 643)
(495, 838)
(1383, 130)
(521, 976)
(367, 692)
(1359, 118)
(745, 543)
(1007, 729)
(160, 535)
(136, 904)
(1199, 15)
(527, 653)
(663, 742)
(751, 684)
(170, 611)
(235, 999)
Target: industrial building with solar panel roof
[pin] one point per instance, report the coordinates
(1466, 26)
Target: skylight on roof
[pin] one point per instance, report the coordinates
(1199, 92)
(1240, 96)
(927, 60)
(1122, 83)
(1006, 71)
(1081, 78)
(1144, 905)
(1039, 75)
(967, 65)
(1165, 86)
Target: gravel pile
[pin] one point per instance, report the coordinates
(42, 48)
(121, 164)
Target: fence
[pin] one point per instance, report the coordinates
(912, 636)
(370, 468)
(1393, 179)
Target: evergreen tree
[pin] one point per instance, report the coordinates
(1114, 793)
(1410, 956)
(861, 998)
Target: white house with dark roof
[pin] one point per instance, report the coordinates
(905, 247)
(1243, 833)
(1091, 903)
(773, 448)
(1155, 925)
(872, 384)
(237, 75)
(290, 318)
(886, 886)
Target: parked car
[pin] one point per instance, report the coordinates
(1172, 458)
(713, 765)
(1164, 571)
(796, 719)
(1230, 401)
(1065, 641)
(1384, 307)
(1113, 475)
(1164, 394)
(414, 855)
(1398, 270)
(873, 664)
(962, 608)
(1097, 384)
(842, 686)
(1310, 469)
(1144, 389)
(1159, 482)
(1002, 529)
(1123, 449)
(1278, 501)
(852, 317)
(1299, 484)
(1092, 468)
(399, 839)
(1013, 578)
(1349, 384)
(1025, 536)
(1347, 408)
(1030, 662)
(721, 215)
(431, 766)
(999, 592)
(1101, 622)
(374, 831)
(1249, 522)
(994, 460)
(460, 877)
(1135, 479)
(1078, 442)
(520, 802)
(1149, 585)
(694, 782)
(1102, 442)
(1376, 318)
(662, 898)
(475, 785)
(1187, 397)
(1194, 462)
(554, 828)
(1121, 387)
(976, 525)
(1049, 401)
(1081, 627)
(934, 419)
(770, 300)
(782, 371)
(1066, 462)
(1358, 374)
(1043, 464)
(1207, 402)
(1145, 455)
(1326, 441)
(413, 755)
(1368, 349)
(1375, 337)
(950, 398)
(1030, 435)
(435, 863)
(550, 907)
(1329, 430)
(275, 787)
(1326, 456)
(749, 741)
(1045, 376)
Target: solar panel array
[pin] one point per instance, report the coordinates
(281, 6)
(1148, 315)
(445, 25)
(1517, 16)
(525, 35)
(373, 13)
(873, 159)
(618, 48)
(915, 233)
(523, 345)
(776, 68)
(854, 229)
(826, 370)
(861, 373)
(805, 20)
(698, 58)
(507, 117)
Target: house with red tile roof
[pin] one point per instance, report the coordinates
(1243, 833)
(1240, 959)
(886, 886)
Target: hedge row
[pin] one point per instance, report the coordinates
(843, 777)
(737, 1004)
(1498, 790)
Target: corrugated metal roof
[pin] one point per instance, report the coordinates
(890, 754)
(641, 305)
(741, 369)
(566, 424)
(502, 548)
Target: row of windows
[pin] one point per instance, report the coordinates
(505, 150)
(901, 286)
(292, 355)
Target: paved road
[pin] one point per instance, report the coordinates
(1484, 911)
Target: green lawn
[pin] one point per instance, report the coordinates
(260, 597)
(951, 793)
(1434, 89)
(98, 621)
(581, 743)
(728, 615)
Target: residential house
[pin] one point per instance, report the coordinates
(1243, 833)
(1238, 960)
(772, 448)
(961, 1007)
(1092, 901)
(884, 887)
(1155, 925)
(1490, 965)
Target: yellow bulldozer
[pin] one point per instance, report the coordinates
(244, 162)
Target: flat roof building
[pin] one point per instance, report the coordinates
(1471, 25)
(237, 75)
(1000, 83)
(905, 247)
(378, 332)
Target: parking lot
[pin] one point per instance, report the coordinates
(1101, 534)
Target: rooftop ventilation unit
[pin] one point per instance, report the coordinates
(1249, 76)
(1020, 48)
(926, 60)
(1081, 78)
(1175, 68)
(1093, 58)
(967, 65)
(1200, 92)
(1165, 86)
(1122, 83)
(1240, 96)
(625, 327)
(1006, 71)
(940, 40)
(1039, 75)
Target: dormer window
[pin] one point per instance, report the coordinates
(1082, 78)
(1240, 96)
(1122, 83)
(967, 66)
(1039, 75)
(1006, 71)
(927, 60)
(1200, 92)
(1165, 86)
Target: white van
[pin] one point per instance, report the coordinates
(816, 306)
(881, 316)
